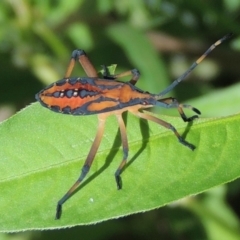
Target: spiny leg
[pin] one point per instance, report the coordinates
(164, 124)
(86, 64)
(135, 75)
(134, 72)
(86, 166)
(125, 150)
(173, 103)
(194, 65)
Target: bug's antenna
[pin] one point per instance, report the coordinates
(194, 65)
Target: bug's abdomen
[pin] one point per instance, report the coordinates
(84, 96)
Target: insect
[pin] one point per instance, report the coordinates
(106, 96)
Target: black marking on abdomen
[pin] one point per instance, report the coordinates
(67, 110)
(60, 82)
(55, 108)
(56, 94)
(69, 93)
(84, 93)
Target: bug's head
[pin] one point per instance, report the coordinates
(148, 102)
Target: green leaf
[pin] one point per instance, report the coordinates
(42, 152)
(219, 103)
(219, 225)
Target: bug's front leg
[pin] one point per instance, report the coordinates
(125, 150)
(173, 103)
(134, 72)
(86, 166)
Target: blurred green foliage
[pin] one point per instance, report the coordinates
(161, 39)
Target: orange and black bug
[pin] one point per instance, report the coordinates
(106, 96)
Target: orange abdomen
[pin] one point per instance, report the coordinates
(84, 96)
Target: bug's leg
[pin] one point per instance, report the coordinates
(173, 103)
(134, 72)
(86, 166)
(135, 75)
(80, 55)
(125, 150)
(164, 124)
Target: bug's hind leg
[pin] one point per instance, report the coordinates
(164, 124)
(80, 55)
(86, 166)
(173, 103)
(125, 150)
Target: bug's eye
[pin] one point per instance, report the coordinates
(144, 103)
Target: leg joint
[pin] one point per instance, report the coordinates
(117, 173)
(84, 172)
(125, 153)
(77, 53)
(85, 169)
(171, 127)
(135, 72)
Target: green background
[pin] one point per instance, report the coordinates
(161, 39)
